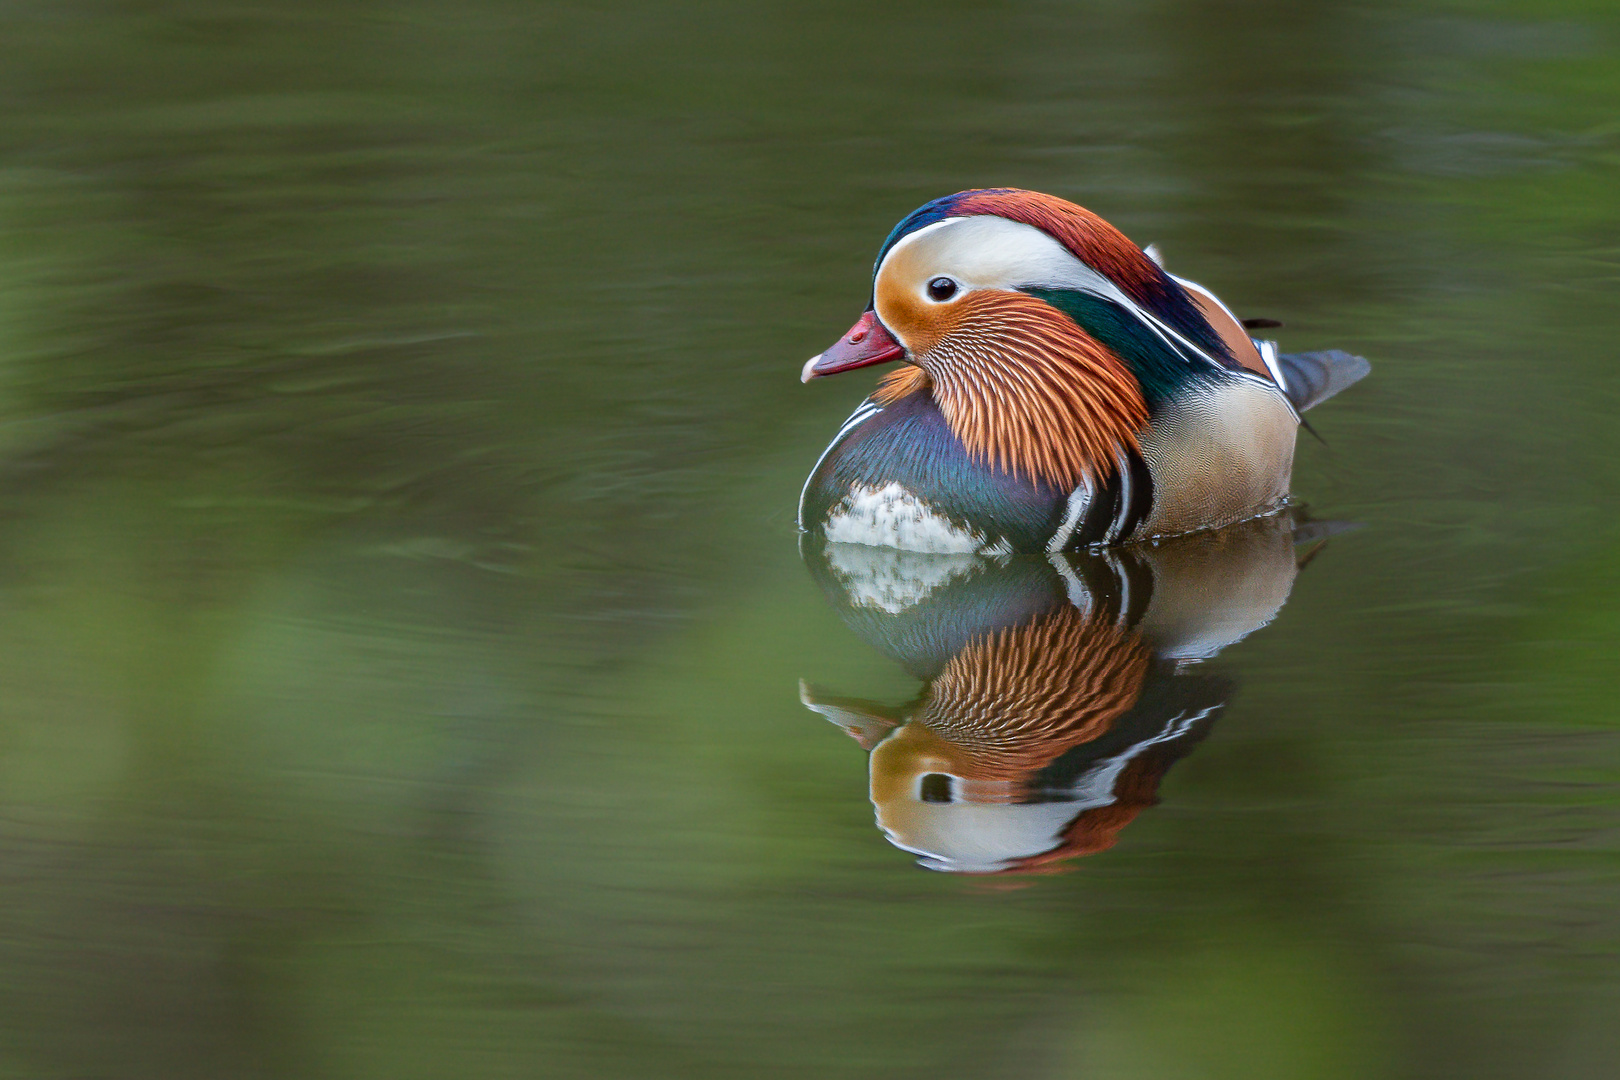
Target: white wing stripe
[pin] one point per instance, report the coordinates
(1079, 594)
(1126, 490)
(1268, 355)
(1079, 499)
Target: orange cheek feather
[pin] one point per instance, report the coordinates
(1022, 386)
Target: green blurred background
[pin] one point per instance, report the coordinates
(400, 616)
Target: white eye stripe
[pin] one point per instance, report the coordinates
(988, 252)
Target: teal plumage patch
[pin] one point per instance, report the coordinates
(1161, 370)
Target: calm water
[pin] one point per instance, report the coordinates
(402, 621)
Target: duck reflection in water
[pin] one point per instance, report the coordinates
(1058, 690)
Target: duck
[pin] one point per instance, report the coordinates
(1056, 692)
(1056, 390)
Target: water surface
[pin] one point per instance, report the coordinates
(402, 614)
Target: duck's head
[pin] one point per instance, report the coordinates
(1038, 328)
(959, 782)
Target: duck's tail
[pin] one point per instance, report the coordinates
(1311, 378)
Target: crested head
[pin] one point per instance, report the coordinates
(1086, 236)
(1020, 381)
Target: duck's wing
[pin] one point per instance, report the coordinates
(1311, 378)
(1231, 331)
(1307, 379)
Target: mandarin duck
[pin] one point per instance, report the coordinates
(1057, 692)
(1058, 390)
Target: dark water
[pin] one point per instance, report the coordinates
(402, 620)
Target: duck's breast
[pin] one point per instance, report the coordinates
(899, 477)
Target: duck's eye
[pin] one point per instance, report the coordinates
(941, 289)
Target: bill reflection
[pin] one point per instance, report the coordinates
(1057, 691)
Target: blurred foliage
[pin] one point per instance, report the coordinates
(399, 611)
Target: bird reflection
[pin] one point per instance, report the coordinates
(1057, 691)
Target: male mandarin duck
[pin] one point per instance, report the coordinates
(1060, 390)
(1057, 692)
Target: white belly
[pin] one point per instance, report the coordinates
(891, 516)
